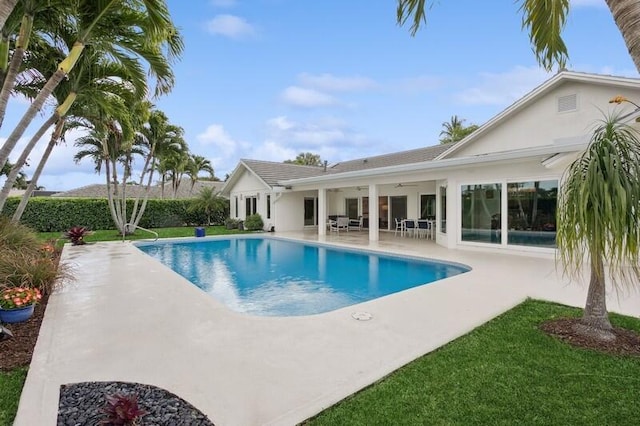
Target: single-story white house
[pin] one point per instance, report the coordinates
(497, 188)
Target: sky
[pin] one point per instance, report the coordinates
(268, 79)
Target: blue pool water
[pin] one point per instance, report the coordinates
(271, 277)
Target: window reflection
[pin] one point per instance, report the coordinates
(532, 213)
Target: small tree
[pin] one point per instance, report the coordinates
(306, 159)
(209, 202)
(599, 206)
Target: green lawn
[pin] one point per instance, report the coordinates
(504, 372)
(112, 234)
(10, 387)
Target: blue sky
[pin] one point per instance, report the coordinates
(268, 79)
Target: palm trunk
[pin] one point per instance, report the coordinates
(13, 174)
(6, 7)
(595, 320)
(112, 208)
(65, 66)
(17, 215)
(626, 13)
(137, 216)
(22, 43)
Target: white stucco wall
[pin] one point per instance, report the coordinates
(540, 123)
(289, 210)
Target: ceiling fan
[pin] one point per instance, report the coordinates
(403, 185)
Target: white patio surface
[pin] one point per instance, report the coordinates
(129, 318)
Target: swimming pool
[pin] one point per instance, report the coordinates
(273, 277)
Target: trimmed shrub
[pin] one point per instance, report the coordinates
(254, 222)
(50, 214)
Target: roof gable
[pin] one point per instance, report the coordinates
(534, 96)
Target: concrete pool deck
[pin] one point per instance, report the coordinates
(126, 317)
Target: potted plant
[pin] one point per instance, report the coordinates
(17, 303)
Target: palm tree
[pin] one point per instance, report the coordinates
(455, 130)
(95, 80)
(47, 15)
(156, 138)
(598, 215)
(122, 29)
(6, 7)
(195, 165)
(208, 201)
(545, 21)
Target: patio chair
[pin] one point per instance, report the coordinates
(340, 224)
(410, 227)
(356, 223)
(423, 229)
(399, 227)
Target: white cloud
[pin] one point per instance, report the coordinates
(231, 26)
(332, 83)
(223, 3)
(307, 98)
(215, 135)
(588, 3)
(503, 88)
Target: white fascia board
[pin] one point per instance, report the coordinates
(440, 164)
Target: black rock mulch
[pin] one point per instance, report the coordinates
(81, 404)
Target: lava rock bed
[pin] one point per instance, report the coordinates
(81, 404)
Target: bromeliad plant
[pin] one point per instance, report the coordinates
(19, 297)
(76, 235)
(122, 409)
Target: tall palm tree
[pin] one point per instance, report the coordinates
(46, 15)
(123, 29)
(195, 165)
(156, 138)
(95, 80)
(6, 7)
(545, 21)
(598, 215)
(455, 130)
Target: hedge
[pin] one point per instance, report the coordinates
(47, 214)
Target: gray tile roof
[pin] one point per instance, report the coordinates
(272, 172)
(393, 159)
(100, 190)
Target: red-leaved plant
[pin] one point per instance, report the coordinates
(76, 235)
(122, 409)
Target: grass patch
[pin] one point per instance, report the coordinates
(10, 388)
(113, 235)
(504, 372)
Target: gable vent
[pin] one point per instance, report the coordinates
(568, 103)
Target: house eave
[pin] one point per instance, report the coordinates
(440, 164)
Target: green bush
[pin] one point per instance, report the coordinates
(50, 214)
(254, 223)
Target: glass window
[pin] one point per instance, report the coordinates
(250, 206)
(427, 206)
(310, 211)
(351, 207)
(443, 209)
(268, 206)
(383, 212)
(481, 220)
(398, 208)
(236, 206)
(532, 213)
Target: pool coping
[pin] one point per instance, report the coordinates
(112, 324)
